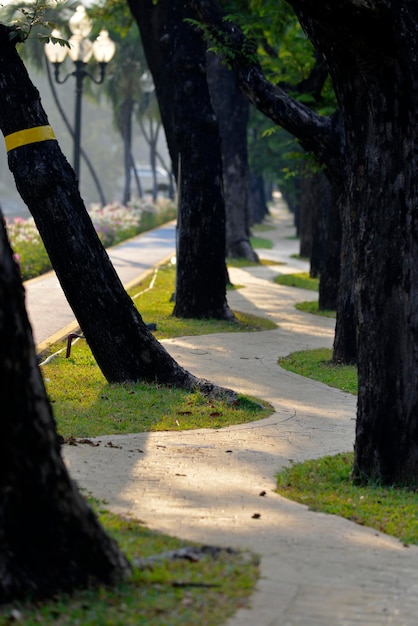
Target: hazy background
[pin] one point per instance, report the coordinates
(98, 138)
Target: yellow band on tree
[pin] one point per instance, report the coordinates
(29, 135)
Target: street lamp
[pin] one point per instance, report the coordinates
(80, 52)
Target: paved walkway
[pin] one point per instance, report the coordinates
(205, 485)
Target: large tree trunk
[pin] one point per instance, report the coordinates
(232, 110)
(176, 56)
(50, 540)
(371, 53)
(123, 346)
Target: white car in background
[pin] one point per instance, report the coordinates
(145, 174)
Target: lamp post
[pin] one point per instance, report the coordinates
(80, 52)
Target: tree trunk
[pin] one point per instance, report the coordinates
(307, 209)
(232, 110)
(50, 539)
(176, 55)
(329, 283)
(257, 204)
(320, 218)
(371, 53)
(125, 126)
(123, 346)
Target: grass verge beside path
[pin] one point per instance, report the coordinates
(85, 405)
(206, 587)
(325, 484)
(153, 297)
(302, 280)
(317, 364)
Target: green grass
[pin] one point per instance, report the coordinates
(313, 308)
(325, 485)
(170, 592)
(317, 364)
(156, 306)
(261, 242)
(301, 280)
(85, 405)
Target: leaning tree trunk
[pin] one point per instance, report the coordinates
(122, 345)
(232, 110)
(176, 56)
(50, 540)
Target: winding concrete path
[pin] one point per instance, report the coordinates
(206, 485)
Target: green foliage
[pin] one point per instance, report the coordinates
(261, 242)
(318, 365)
(33, 22)
(325, 485)
(32, 18)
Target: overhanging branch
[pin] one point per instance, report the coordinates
(315, 133)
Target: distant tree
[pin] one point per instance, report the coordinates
(176, 56)
(232, 110)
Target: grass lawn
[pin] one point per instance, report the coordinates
(301, 280)
(325, 484)
(86, 405)
(167, 592)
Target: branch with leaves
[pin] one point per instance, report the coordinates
(316, 133)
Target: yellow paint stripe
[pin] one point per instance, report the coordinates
(27, 136)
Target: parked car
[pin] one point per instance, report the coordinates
(146, 178)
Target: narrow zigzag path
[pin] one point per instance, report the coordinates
(205, 485)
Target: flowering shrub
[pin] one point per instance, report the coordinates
(113, 223)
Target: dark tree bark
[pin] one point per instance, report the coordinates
(176, 56)
(329, 283)
(307, 208)
(257, 203)
(122, 345)
(372, 59)
(232, 110)
(50, 540)
(370, 49)
(320, 216)
(124, 121)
